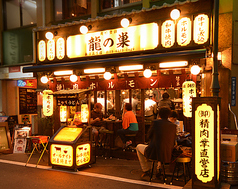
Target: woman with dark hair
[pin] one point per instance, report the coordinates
(129, 124)
(166, 102)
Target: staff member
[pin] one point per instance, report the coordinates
(129, 124)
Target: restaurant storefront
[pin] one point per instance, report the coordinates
(112, 60)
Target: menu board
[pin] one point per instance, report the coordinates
(27, 101)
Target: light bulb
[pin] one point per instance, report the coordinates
(175, 14)
(147, 73)
(107, 75)
(125, 22)
(49, 35)
(83, 29)
(73, 78)
(195, 69)
(44, 79)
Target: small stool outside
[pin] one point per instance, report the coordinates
(38, 140)
(132, 137)
(185, 162)
(107, 141)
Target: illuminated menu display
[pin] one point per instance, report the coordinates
(61, 155)
(27, 101)
(68, 134)
(82, 154)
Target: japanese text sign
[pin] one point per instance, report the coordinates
(47, 102)
(189, 91)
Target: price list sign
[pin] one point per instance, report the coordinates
(27, 101)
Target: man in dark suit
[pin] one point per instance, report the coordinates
(162, 135)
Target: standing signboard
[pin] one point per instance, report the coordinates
(5, 140)
(206, 142)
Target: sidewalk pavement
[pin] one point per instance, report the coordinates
(129, 169)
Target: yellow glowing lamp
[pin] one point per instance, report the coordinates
(84, 113)
(107, 75)
(41, 50)
(61, 155)
(201, 29)
(51, 49)
(189, 91)
(60, 48)
(68, 134)
(83, 154)
(63, 113)
(168, 34)
(47, 102)
(204, 143)
(184, 31)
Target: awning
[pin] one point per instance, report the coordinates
(145, 58)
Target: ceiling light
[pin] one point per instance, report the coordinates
(94, 70)
(175, 14)
(195, 69)
(107, 75)
(44, 79)
(83, 29)
(65, 72)
(73, 78)
(132, 67)
(49, 35)
(147, 73)
(173, 64)
(125, 22)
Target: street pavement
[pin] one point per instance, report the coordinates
(105, 173)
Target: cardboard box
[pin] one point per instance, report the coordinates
(229, 138)
(229, 151)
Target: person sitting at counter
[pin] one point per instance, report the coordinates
(129, 124)
(166, 102)
(96, 120)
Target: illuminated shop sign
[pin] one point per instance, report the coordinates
(204, 143)
(61, 155)
(82, 154)
(84, 113)
(63, 113)
(189, 91)
(134, 38)
(201, 29)
(47, 102)
(30, 83)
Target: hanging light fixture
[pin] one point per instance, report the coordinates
(125, 22)
(44, 79)
(175, 14)
(73, 78)
(83, 29)
(107, 75)
(195, 69)
(147, 73)
(49, 35)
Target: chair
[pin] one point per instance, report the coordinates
(185, 162)
(107, 141)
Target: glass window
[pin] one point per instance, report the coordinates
(66, 9)
(116, 3)
(111, 102)
(24, 13)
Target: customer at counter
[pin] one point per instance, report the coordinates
(166, 102)
(129, 124)
(96, 120)
(150, 109)
(156, 149)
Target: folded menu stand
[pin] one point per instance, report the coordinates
(38, 140)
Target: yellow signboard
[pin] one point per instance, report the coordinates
(184, 31)
(48, 102)
(60, 48)
(204, 143)
(168, 34)
(63, 113)
(41, 50)
(84, 113)
(189, 91)
(61, 155)
(83, 154)
(68, 134)
(201, 29)
(51, 49)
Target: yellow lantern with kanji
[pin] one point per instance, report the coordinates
(189, 91)
(63, 113)
(84, 113)
(47, 102)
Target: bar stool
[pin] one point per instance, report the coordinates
(107, 143)
(185, 162)
(132, 137)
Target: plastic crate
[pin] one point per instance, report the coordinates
(39, 139)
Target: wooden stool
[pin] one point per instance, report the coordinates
(132, 137)
(185, 161)
(107, 141)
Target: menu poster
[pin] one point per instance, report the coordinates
(19, 145)
(5, 141)
(27, 101)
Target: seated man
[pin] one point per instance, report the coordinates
(174, 119)
(162, 136)
(129, 124)
(96, 120)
